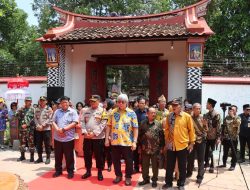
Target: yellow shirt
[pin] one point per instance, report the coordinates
(183, 132)
(122, 124)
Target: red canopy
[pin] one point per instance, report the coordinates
(18, 82)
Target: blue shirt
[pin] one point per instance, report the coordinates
(3, 117)
(62, 119)
(141, 115)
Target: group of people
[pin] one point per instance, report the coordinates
(115, 131)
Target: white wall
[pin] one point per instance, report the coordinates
(76, 64)
(36, 90)
(232, 93)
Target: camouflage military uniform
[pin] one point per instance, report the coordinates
(26, 116)
(213, 120)
(230, 132)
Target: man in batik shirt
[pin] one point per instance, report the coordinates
(123, 125)
(151, 140)
(229, 136)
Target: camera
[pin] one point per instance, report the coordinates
(224, 105)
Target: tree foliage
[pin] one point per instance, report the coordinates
(17, 43)
(231, 24)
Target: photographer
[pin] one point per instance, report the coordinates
(229, 136)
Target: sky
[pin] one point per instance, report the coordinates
(26, 6)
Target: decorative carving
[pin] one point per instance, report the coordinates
(201, 10)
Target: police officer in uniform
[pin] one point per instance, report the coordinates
(43, 116)
(93, 121)
(26, 128)
(213, 133)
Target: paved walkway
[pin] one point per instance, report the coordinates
(226, 180)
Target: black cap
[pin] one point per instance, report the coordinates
(246, 106)
(188, 106)
(43, 98)
(176, 101)
(211, 101)
(95, 98)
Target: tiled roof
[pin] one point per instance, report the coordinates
(123, 32)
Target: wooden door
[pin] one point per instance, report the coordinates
(158, 81)
(95, 79)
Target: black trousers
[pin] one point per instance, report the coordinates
(243, 142)
(182, 164)
(125, 152)
(107, 156)
(210, 146)
(199, 150)
(96, 147)
(43, 137)
(136, 158)
(146, 158)
(66, 149)
(227, 144)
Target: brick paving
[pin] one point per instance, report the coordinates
(226, 180)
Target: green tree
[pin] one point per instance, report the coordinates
(231, 24)
(17, 39)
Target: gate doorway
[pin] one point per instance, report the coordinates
(132, 80)
(152, 79)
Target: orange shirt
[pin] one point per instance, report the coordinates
(183, 132)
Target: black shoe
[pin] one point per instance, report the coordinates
(166, 186)
(117, 179)
(154, 184)
(143, 182)
(39, 160)
(222, 166)
(199, 180)
(47, 161)
(21, 159)
(136, 171)
(100, 176)
(128, 181)
(211, 170)
(241, 160)
(109, 169)
(181, 188)
(231, 168)
(56, 174)
(86, 175)
(188, 175)
(70, 175)
(206, 165)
